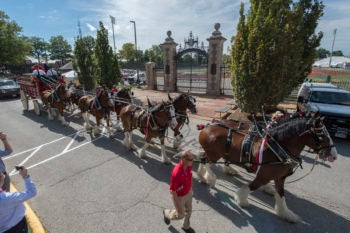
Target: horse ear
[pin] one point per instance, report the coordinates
(149, 102)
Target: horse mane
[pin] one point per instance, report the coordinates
(158, 106)
(288, 126)
(177, 98)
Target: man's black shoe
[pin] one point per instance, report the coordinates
(189, 230)
(166, 220)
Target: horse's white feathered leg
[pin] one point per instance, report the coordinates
(86, 117)
(61, 118)
(177, 141)
(165, 158)
(126, 140)
(209, 176)
(229, 170)
(200, 172)
(141, 151)
(49, 114)
(283, 211)
(242, 196)
(96, 130)
(118, 125)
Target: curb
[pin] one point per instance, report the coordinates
(32, 218)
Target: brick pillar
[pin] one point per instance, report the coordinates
(151, 80)
(169, 52)
(216, 48)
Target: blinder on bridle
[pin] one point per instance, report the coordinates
(320, 135)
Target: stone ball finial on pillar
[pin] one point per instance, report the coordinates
(216, 32)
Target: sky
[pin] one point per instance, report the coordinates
(153, 18)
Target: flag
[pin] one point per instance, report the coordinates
(112, 19)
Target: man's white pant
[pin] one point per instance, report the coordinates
(186, 210)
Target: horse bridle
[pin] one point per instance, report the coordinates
(318, 133)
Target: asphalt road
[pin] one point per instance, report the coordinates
(92, 184)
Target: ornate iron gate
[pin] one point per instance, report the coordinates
(225, 81)
(192, 66)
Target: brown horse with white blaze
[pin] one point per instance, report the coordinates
(181, 103)
(273, 155)
(153, 123)
(99, 106)
(55, 98)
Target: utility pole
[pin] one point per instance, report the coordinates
(136, 56)
(113, 22)
(330, 59)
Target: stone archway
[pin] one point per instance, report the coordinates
(215, 61)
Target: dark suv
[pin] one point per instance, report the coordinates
(331, 101)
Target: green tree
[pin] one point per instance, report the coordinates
(108, 71)
(14, 47)
(39, 48)
(337, 53)
(83, 61)
(60, 48)
(322, 53)
(127, 52)
(273, 50)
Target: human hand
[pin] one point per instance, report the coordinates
(23, 171)
(2, 136)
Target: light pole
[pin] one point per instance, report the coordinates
(136, 57)
(330, 59)
(113, 22)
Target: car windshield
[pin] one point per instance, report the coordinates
(7, 83)
(339, 98)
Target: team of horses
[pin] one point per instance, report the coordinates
(271, 149)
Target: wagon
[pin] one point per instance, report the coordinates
(31, 89)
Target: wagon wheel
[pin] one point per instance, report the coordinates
(24, 100)
(37, 107)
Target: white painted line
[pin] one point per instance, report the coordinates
(45, 144)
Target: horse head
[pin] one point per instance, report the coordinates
(104, 97)
(321, 140)
(191, 103)
(124, 95)
(184, 101)
(61, 91)
(299, 130)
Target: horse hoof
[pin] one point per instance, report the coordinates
(167, 162)
(230, 171)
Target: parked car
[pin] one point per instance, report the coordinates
(141, 78)
(9, 87)
(331, 101)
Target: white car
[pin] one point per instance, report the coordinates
(141, 78)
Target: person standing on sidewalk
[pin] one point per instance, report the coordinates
(12, 219)
(181, 192)
(8, 150)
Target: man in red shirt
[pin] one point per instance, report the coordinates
(181, 192)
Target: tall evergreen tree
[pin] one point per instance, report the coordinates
(108, 72)
(273, 50)
(83, 61)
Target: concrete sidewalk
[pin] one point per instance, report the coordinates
(206, 105)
